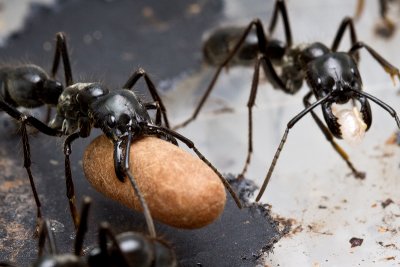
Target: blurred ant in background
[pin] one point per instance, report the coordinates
(386, 27)
(333, 78)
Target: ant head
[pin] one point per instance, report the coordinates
(62, 260)
(118, 113)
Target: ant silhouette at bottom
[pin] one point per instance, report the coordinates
(332, 76)
(127, 249)
(122, 117)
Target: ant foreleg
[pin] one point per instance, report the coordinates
(329, 137)
(262, 41)
(291, 123)
(389, 68)
(152, 89)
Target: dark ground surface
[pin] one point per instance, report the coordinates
(167, 43)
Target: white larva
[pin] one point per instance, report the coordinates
(352, 125)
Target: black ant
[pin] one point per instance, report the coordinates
(120, 114)
(387, 27)
(332, 76)
(125, 249)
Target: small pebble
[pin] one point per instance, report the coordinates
(179, 188)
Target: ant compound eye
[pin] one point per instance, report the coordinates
(111, 122)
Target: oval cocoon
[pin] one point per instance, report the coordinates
(179, 188)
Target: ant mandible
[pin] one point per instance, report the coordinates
(332, 76)
(120, 114)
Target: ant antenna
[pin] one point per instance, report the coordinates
(146, 210)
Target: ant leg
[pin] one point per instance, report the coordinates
(40, 126)
(250, 105)
(359, 9)
(68, 178)
(291, 123)
(380, 103)
(152, 89)
(105, 232)
(27, 166)
(156, 106)
(280, 6)
(28, 119)
(262, 41)
(62, 51)
(83, 226)
(274, 78)
(389, 68)
(45, 233)
(191, 145)
(386, 30)
(347, 22)
(329, 137)
(143, 203)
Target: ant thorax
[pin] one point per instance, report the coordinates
(352, 125)
(292, 73)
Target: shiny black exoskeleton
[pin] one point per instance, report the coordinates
(332, 77)
(128, 249)
(120, 114)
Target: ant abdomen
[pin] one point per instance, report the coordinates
(29, 86)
